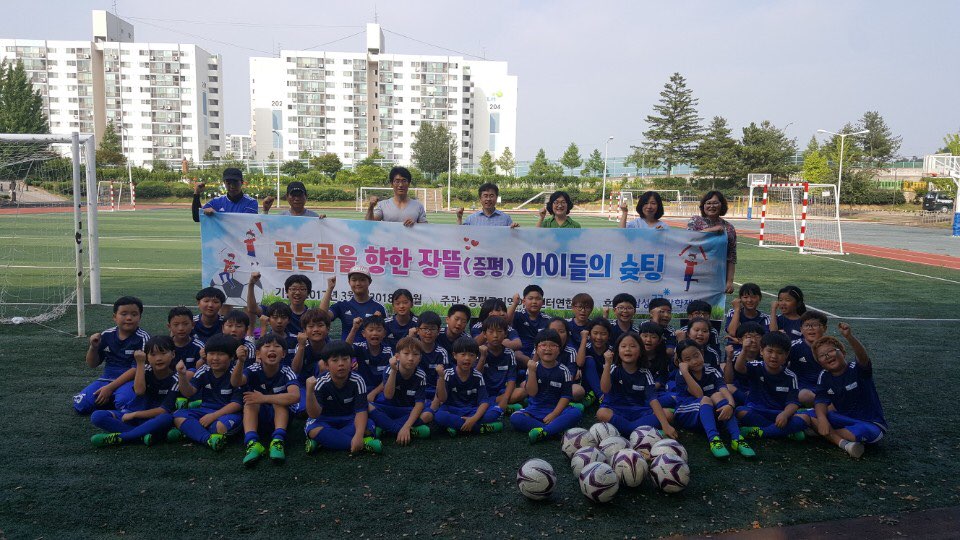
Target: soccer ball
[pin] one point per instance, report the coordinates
(611, 445)
(668, 446)
(585, 456)
(602, 430)
(630, 467)
(642, 439)
(598, 482)
(575, 439)
(670, 473)
(536, 479)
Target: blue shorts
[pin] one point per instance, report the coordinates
(233, 422)
(333, 422)
(865, 431)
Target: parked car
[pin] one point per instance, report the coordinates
(937, 201)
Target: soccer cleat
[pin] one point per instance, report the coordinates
(451, 432)
(182, 403)
(589, 399)
(372, 445)
(106, 439)
(310, 446)
(147, 439)
(420, 432)
(751, 432)
(537, 434)
(194, 404)
(492, 427)
(855, 449)
(377, 432)
(718, 449)
(174, 435)
(277, 452)
(577, 406)
(216, 442)
(798, 436)
(741, 445)
(512, 408)
(254, 452)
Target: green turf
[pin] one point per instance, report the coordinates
(55, 484)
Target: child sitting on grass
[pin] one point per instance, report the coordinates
(498, 366)
(548, 412)
(629, 391)
(464, 402)
(772, 403)
(397, 409)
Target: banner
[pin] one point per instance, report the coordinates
(451, 264)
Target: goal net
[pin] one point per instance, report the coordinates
(364, 193)
(673, 202)
(801, 215)
(109, 195)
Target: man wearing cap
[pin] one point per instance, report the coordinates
(400, 208)
(360, 305)
(296, 198)
(235, 201)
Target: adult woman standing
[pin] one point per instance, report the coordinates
(713, 206)
(559, 206)
(650, 208)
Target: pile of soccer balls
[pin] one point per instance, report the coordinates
(603, 461)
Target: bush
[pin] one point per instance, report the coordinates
(177, 189)
(152, 189)
(329, 194)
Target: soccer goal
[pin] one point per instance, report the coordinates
(803, 216)
(673, 203)
(364, 193)
(42, 261)
(109, 195)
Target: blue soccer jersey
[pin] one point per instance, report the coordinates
(189, 354)
(346, 400)
(636, 389)
(852, 393)
(710, 381)
(251, 347)
(760, 318)
(408, 390)
(568, 357)
(291, 350)
(446, 341)
(714, 335)
(397, 331)
(311, 362)
(669, 337)
(429, 362)
(372, 366)
(498, 370)
(214, 392)
(160, 392)
(204, 332)
(245, 205)
(477, 329)
(771, 390)
(259, 381)
(347, 310)
(711, 357)
(553, 384)
(465, 393)
(802, 362)
(616, 331)
(790, 327)
(528, 328)
(116, 354)
(574, 329)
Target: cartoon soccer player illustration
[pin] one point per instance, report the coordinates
(691, 262)
(229, 267)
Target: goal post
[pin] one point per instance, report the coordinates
(364, 193)
(672, 201)
(801, 215)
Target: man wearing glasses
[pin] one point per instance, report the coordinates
(400, 208)
(296, 198)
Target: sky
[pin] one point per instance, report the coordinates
(590, 70)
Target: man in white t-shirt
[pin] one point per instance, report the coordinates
(400, 208)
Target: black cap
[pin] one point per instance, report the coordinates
(231, 174)
(293, 187)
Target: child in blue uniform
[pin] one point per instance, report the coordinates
(269, 390)
(495, 307)
(703, 310)
(337, 406)
(306, 362)
(702, 398)
(149, 415)
(208, 322)
(498, 365)
(568, 357)
(371, 354)
(220, 402)
(361, 305)
(458, 318)
(398, 407)
(298, 288)
(432, 355)
(654, 354)
(847, 411)
(661, 312)
(530, 320)
(582, 307)
(749, 335)
(399, 324)
(548, 412)
(746, 308)
(790, 304)
(186, 346)
(772, 403)
(114, 348)
(278, 318)
(698, 331)
(629, 390)
(236, 324)
(624, 309)
(802, 361)
(464, 402)
(593, 344)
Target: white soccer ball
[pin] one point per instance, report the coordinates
(611, 445)
(598, 482)
(575, 439)
(536, 479)
(670, 473)
(602, 430)
(668, 446)
(17, 320)
(585, 456)
(630, 467)
(643, 438)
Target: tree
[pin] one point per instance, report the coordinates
(328, 164)
(641, 158)
(372, 159)
(571, 158)
(816, 170)
(21, 107)
(879, 145)
(952, 142)
(208, 155)
(594, 163)
(110, 152)
(766, 149)
(541, 166)
(433, 149)
(716, 155)
(506, 162)
(851, 152)
(293, 167)
(487, 166)
(812, 146)
(675, 127)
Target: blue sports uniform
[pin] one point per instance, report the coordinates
(498, 370)
(568, 357)
(116, 355)
(669, 337)
(429, 362)
(339, 407)
(769, 395)
(593, 367)
(310, 368)
(270, 385)
(214, 393)
(189, 354)
(245, 205)
(553, 384)
(160, 393)
(293, 323)
(854, 396)
(629, 398)
(760, 318)
(397, 331)
(447, 342)
(616, 331)
(347, 310)
(802, 362)
(574, 329)
(477, 329)
(203, 332)
(372, 366)
(463, 399)
(391, 414)
(692, 413)
(790, 327)
(714, 335)
(528, 328)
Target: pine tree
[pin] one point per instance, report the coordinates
(879, 145)
(571, 158)
(675, 127)
(594, 164)
(21, 107)
(766, 149)
(541, 166)
(506, 161)
(716, 155)
(487, 166)
(110, 152)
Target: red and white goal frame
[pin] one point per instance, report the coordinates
(801, 215)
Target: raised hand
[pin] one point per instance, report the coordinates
(139, 356)
(845, 330)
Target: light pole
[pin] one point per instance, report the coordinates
(603, 195)
(449, 168)
(842, 136)
(279, 160)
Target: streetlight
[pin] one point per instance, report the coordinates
(449, 168)
(603, 196)
(279, 159)
(842, 136)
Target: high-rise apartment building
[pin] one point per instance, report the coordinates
(352, 103)
(239, 147)
(164, 99)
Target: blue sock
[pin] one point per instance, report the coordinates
(156, 425)
(733, 427)
(249, 437)
(280, 433)
(194, 431)
(522, 421)
(708, 422)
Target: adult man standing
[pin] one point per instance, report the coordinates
(235, 201)
(400, 208)
(296, 198)
(488, 216)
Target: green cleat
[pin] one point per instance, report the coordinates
(277, 452)
(512, 408)
(492, 427)
(451, 432)
(216, 442)
(741, 445)
(798, 436)
(106, 439)
(377, 432)
(420, 432)
(589, 399)
(174, 435)
(372, 445)
(194, 404)
(751, 432)
(537, 434)
(718, 449)
(182, 403)
(148, 439)
(310, 446)
(577, 406)
(254, 451)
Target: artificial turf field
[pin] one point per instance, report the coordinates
(55, 484)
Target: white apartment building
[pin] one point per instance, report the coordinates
(239, 147)
(165, 99)
(352, 103)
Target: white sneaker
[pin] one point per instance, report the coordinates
(855, 449)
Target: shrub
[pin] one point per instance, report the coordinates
(152, 189)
